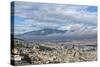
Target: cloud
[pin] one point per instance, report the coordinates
(37, 16)
(86, 33)
(69, 27)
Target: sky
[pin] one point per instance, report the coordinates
(36, 16)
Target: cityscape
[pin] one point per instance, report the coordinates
(49, 33)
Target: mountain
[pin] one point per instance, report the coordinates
(53, 34)
(44, 32)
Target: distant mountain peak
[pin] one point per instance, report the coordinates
(44, 32)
